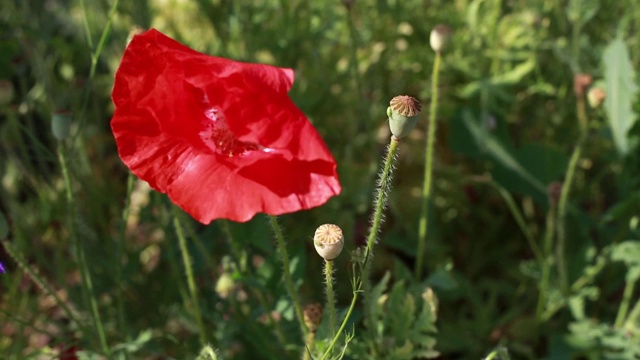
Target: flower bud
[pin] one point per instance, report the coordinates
(439, 37)
(596, 97)
(61, 124)
(403, 114)
(6, 92)
(225, 285)
(580, 83)
(312, 316)
(328, 241)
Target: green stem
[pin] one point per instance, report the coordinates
(288, 281)
(354, 57)
(191, 283)
(562, 214)
(331, 301)
(517, 215)
(118, 257)
(380, 202)
(624, 305)
(428, 169)
(87, 283)
(384, 187)
(241, 256)
(95, 55)
(546, 264)
(329, 349)
(41, 283)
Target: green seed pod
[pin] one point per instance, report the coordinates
(61, 124)
(403, 114)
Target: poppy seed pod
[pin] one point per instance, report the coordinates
(312, 316)
(596, 97)
(61, 124)
(403, 114)
(328, 241)
(439, 37)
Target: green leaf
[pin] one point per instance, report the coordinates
(487, 143)
(621, 91)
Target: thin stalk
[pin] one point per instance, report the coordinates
(517, 216)
(353, 61)
(95, 55)
(118, 258)
(41, 283)
(624, 305)
(382, 193)
(331, 301)
(241, 256)
(380, 202)
(329, 349)
(288, 281)
(428, 168)
(239, 253)
(546, 264)
(582, 281)
(562, 213)
(272, 321)
(87, 283)
(191, 283)
(634, 316)
(308, 345)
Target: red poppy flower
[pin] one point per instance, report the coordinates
(221, 138)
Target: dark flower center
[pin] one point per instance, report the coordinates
(217, 136)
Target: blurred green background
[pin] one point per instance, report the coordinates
(507, 122)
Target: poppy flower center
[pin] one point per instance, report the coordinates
(217, 136)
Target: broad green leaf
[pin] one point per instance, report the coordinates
(621, 91)
(489, 144)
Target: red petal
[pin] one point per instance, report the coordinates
(220, 137)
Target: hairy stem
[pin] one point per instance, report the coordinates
(380, 202)
(288, 281)
(331, 301)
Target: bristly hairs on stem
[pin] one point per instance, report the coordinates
(286, 271)
(380, 203)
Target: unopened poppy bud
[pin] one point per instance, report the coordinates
(403, 114)
(439, 37)
(580, 83)
(6, 92)
(328, 241)
(225, 285)
(596, 97)
(61, 124)
(312, 316)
